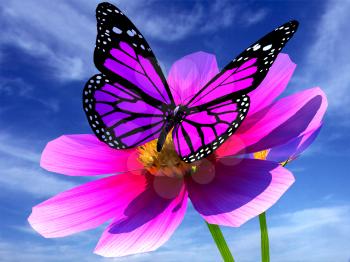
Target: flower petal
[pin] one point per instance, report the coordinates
(240, 190)
(277, 124)
(273, 85)
(294, 148)
(190, 73)
(86, 206)
(149, 220)
(85, 155)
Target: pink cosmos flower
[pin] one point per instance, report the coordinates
(147, 197)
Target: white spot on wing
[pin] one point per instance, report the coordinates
(268, 47)
(116, 30)
(131, 32)
(256, 47)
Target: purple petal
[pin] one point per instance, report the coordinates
(240, 190)
(149, 220)
(293, 148)
(86, 206)
(85, 155)
(273, 85)
(278, 124)
(190, 74)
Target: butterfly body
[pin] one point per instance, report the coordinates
(131, 103)
(173, 120)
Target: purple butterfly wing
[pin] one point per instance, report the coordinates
(120, 117)
(247, 70)
(217, 110)
(131, 97)
(123, 53)
(201, 132)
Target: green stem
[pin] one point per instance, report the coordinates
(220, 242)
(265, 250)
(265, 246)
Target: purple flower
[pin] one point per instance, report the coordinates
(146, 198)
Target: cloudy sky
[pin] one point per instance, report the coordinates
(46, 50)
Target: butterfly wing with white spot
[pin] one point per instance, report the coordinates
(217, 110)
(119, 116)
(201, 132)
(123, 54)
(127, 103)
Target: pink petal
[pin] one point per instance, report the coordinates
(240, 190)
(85, 155)
(86, 206)
(277, 124)
(273, 85)
(191, 73)
(149, 220)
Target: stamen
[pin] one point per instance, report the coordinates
(261, 154)
(166, 162)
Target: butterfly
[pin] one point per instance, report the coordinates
(130, 102)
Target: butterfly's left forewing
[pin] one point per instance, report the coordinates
(126, 105)
(217, 110)
(123, 53)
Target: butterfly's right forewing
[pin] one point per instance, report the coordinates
(247, 70)
(216, 111)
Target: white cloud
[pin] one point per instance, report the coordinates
(25, 178)
(14, 86)
(17, 148)
(47, 250)
(178, 24)
(254, 17)
(327, 62)
(20, 169)
(62, 33)
(308, 235)
(17, 87)
(315, 234)
(62, 36)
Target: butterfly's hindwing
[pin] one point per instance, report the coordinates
(120, 117)
(201, 132)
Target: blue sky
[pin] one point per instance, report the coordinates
(46, 50)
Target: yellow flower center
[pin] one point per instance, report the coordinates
(261, 154)
(166, 162)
